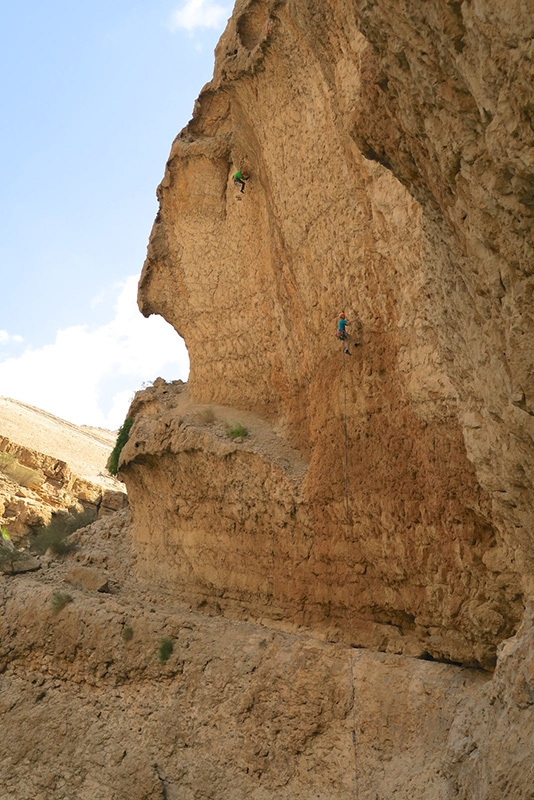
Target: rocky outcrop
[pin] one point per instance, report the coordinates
(490, 742)
(378, 163)
(446, 102)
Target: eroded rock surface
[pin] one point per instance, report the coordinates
(242, 527)
(390, 153)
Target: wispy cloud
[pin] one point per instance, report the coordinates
(6, 337)
(88, 376)
(199, 14)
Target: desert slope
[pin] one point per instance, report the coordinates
(84, 449)
(58, 466)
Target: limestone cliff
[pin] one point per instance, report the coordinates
(390, 153)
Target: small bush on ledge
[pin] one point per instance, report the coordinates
(122, 437)
(54, 536)
(237, 431)
(205, 416)
(127, 633)
(166, 646)
(58, 601)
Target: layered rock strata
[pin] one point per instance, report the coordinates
(239, 526)
(237, 709)
(390, 152)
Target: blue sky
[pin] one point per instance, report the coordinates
(92, 96)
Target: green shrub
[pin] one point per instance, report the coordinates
(166, 646)
(237, 431)
(6, 538)
(122, 438)
(127, 633)
(58, 601)
(54, 535)
(18, 473)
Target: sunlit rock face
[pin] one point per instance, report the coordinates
(389, 148)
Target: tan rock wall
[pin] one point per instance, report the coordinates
(247, 528)
(490, 742)
(446, 102)
(389, 146)
(331, 112)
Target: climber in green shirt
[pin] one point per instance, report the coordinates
(240, 177)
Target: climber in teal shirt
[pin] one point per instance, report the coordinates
(341, 325)
(341, 330)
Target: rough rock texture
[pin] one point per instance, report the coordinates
(391, 160)
(491, 741)
(447, 103)
(69, 466)
(232, 524)
(238, 709)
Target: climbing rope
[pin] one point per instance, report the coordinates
(347, 507)
(349, 597)
(352, 692)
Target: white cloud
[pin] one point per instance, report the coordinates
(98, 299)
(6, 337)
(199, 14)
(89, 376)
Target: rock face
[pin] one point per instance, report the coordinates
(490, 742)
(390, 153)
(235, 525)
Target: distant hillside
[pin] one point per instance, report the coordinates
(85, 449)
